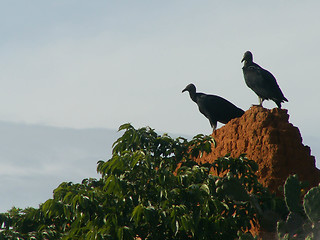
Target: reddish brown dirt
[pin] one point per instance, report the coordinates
(267, 137)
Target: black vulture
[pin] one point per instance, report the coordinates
(261, 81)
(215, 108)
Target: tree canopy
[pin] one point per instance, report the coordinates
(152, 188)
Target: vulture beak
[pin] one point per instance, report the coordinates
(184, 90)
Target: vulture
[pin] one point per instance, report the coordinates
(215, 108)
(261, 81)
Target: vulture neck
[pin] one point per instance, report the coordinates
(193, 95)
(248, 63)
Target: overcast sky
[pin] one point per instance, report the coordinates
(85, 64)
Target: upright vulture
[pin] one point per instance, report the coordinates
(215, 108)
(261, 81)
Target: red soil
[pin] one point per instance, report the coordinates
(267, 137)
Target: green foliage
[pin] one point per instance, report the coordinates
(25, 224)
(303, 220)
(311, 205)
(292, 194)
(151, 188)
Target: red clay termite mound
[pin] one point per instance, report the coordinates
(267, 137)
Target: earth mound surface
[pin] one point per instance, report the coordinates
(267, 137)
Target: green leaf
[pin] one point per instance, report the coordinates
(234, 190)
(125, 126)
(137, 213)
(311, 204)
(292, 193)
(205, 188)
(120, 233)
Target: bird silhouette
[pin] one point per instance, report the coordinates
(261, 81)
(215, 108)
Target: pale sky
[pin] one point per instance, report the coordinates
(85, 64)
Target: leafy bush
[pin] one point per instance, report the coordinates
(151, 188)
